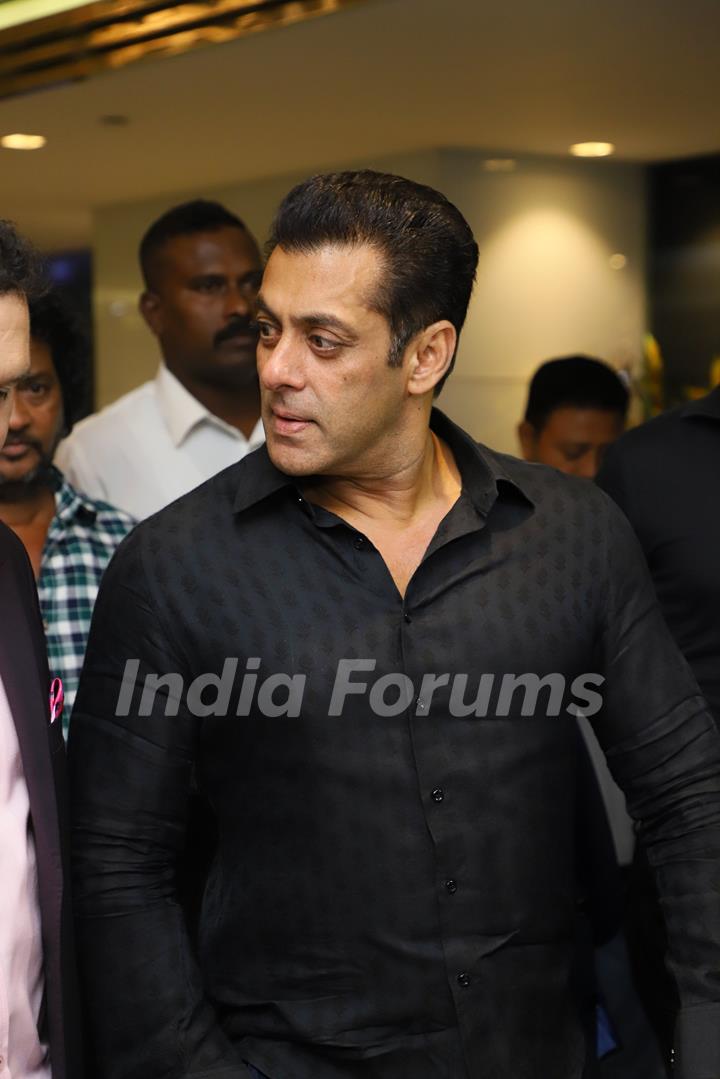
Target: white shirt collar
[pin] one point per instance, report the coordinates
(182, 413)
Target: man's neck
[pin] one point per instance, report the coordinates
(34, 508)
(430, 477)
(238, 406)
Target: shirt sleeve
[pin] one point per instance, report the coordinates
(131, 769)
(664, 751)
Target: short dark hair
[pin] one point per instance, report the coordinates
(199, 215)
(428, 247)
(21, 270)
(52, 323)
(574, 382)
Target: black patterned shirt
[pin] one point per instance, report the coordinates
(392, 782)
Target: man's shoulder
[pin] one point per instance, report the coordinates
(130, 410)
(650, 456)
(14, 562)
(206, 507)
(12, 550)
(643, 440)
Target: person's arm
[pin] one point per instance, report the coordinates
(664, 751)
(130, 776)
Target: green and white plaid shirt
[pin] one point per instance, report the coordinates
(80, 542)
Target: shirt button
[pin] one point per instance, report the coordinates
(451, 886)
(463, 979)
(438, 794)
(359, 543)
(407, 617)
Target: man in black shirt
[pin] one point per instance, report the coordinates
(367, 644)
(663, 476)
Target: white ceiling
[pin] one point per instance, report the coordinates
(512, 75)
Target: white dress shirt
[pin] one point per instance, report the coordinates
(150, 447)
(22, 1054)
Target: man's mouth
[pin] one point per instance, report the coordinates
(288, 423)
(14, 451)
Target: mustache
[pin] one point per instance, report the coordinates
(238, 327)
(17, 441)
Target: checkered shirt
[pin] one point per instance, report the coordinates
(80, 542)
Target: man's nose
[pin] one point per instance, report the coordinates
(588, 465)
(238, 301)
(20, 414)
(281, 366)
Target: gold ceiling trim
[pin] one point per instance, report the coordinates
(109, 34)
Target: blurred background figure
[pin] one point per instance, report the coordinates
(576, 407)
(68, 536)
(201, 413)
(663, 476)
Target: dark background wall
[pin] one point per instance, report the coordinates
(684, 268)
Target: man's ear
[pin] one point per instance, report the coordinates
(431, 356)
(527, 437)
(151, 310)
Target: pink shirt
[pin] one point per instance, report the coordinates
(22, 1054)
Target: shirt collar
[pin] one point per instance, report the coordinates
(482, 471)
(69, 503)
(182, 413)
(705, 406)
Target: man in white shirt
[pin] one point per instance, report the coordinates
(201, 413)
(39, 1029)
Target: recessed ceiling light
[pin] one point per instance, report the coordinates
(592, 149)
(499, 164)
(18, 141)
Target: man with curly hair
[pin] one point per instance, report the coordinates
(68, 536)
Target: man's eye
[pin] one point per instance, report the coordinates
(324, 344)
(266, 330)
(210, 284)
(35, 389)
(4, 394)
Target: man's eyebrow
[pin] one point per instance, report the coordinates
(313, 318)
(11, 382)
(208, 275)
(262, 305)
(576, 446)
(318, 318)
